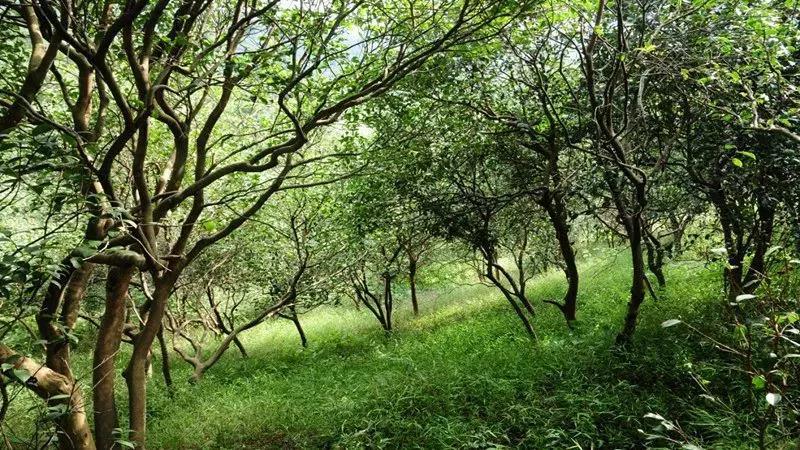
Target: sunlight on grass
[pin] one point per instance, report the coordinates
(462, 374)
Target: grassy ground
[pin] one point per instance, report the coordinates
(461, 375)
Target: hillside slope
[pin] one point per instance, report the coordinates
(461, 375)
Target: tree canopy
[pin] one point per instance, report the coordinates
(174, 173)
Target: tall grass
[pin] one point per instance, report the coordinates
(461, 375)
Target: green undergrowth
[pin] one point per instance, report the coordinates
(461, 375)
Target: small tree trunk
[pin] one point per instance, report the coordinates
(387, 302)
(412, 281)
(165, 364)
(364, 296)
(220, 322)
(679, 230)
(202, 366)
(733, 272)
(296, 320)
(633, 225)
(556, 211)
(763, 237)
(240, 346)
(135, 373)
(655, 261)
(509, 296)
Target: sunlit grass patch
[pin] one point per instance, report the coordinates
(462, 374)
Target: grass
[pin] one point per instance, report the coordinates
(462, 375)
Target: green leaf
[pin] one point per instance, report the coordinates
(670, 323)
(737, 162)
(22, 375)
(759, 382)
(41, 129)
(648, 48)
(750, 155)
(740, 332)
(69, 140)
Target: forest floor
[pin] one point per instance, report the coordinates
(464, 375)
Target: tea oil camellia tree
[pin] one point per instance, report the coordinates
(162, 106)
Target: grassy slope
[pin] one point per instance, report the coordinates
(461, 375)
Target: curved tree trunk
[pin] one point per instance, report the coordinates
(655, 260)
(388, 301)
(296, 320)
(105, 355)
(739, 240)
(526, 323)
(136, 370)
(220, 322)
(638, 287)
(66, 291)
(557, 212)
(47, 384)
(43, 53)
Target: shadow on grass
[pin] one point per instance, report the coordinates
(461, 375)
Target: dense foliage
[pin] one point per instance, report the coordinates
(177, 174)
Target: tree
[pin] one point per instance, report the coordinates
(742, 166)
(300, 260)
(293, 69)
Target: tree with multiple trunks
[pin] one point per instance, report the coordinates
(178, 122)
(181, 171)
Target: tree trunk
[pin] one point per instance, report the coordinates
(364, 296)
(47, 383)
(655, 260)
(557, 212)
(43, 53)
(69, 296)
(296, 321)
(387, 302)
(510, 297)
(737, 280)
(109, 337)
(221, 322)
(66, 291)
(412, 281)
(240, 346)
(762, 239)
(165, 365)
(200, 367)
(633, 225)
(135, 373)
